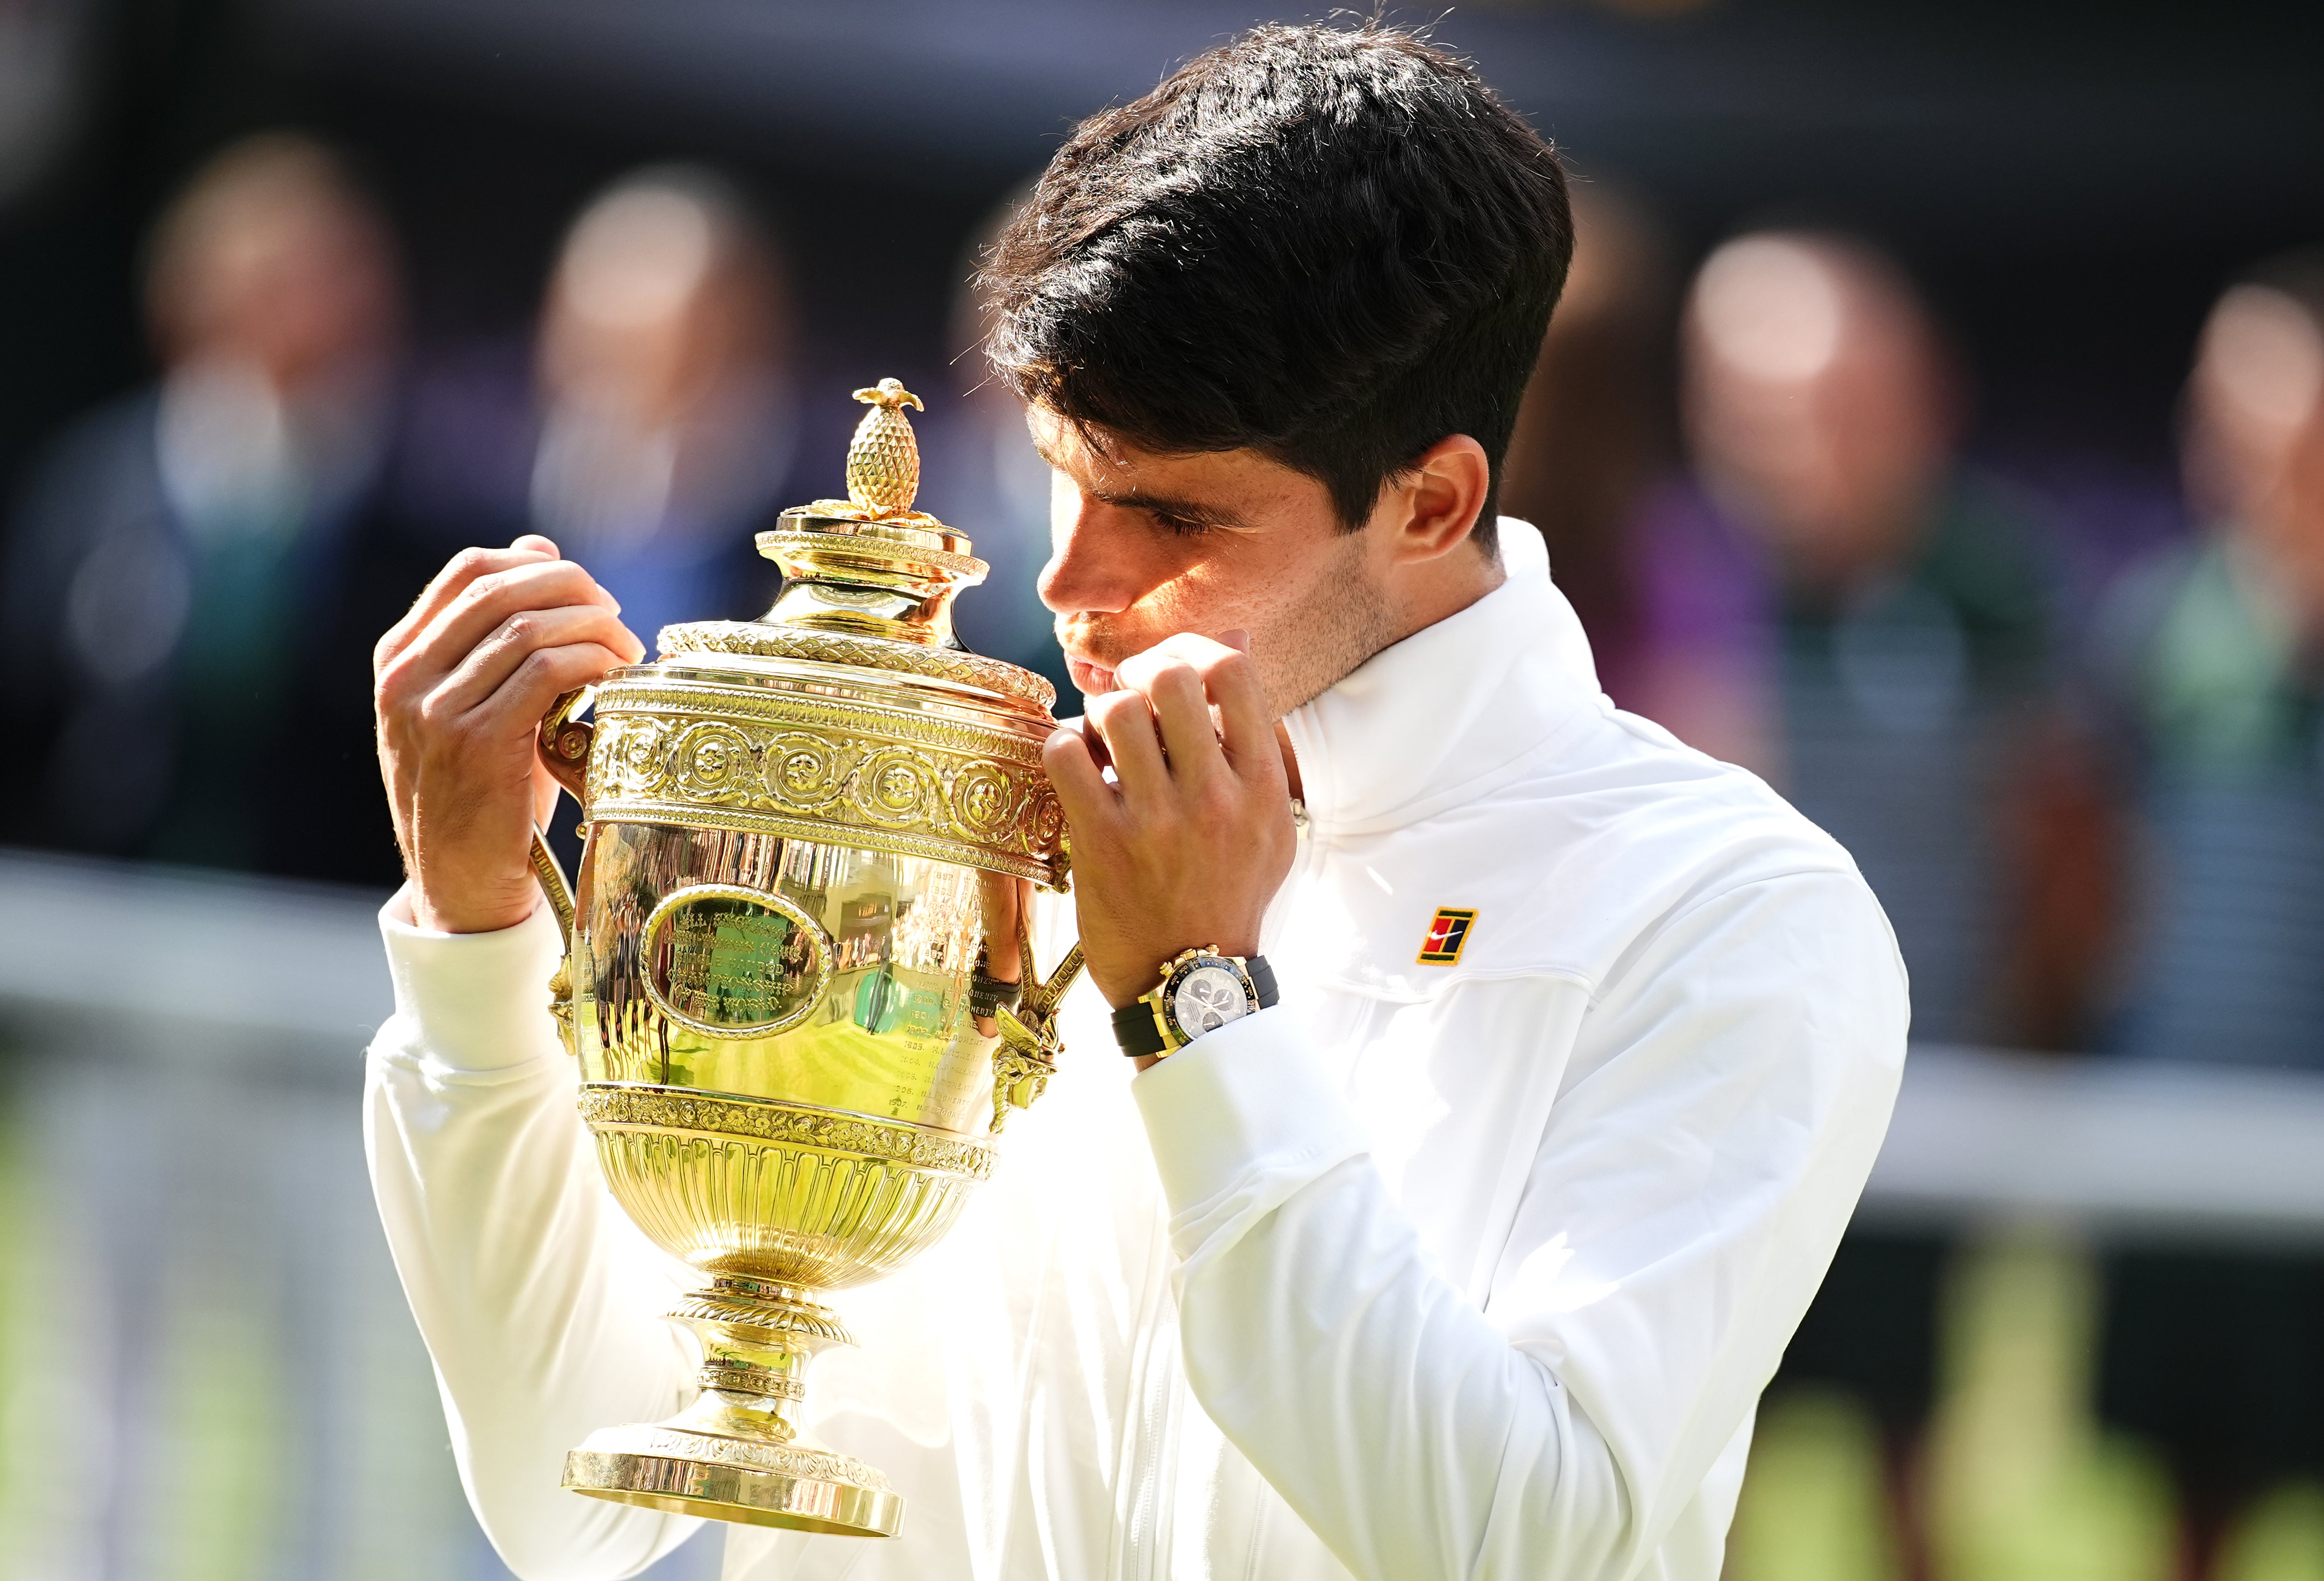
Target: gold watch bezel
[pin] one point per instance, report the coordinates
(1158, 999)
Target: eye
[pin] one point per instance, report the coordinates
(1184, 526)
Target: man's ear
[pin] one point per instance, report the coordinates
(1439, 498)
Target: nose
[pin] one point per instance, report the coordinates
(1092, 567)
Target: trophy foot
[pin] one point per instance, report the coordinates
(739, 1452)
(745, 1480)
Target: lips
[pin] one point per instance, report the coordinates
(1090, 680)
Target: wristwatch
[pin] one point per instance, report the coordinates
(1202, 991)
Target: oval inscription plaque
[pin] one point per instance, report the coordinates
(735, 962)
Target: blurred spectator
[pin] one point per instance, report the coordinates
(1843, 607)
(666, 406)
(653, 431)
(2212, 658)
(199, 571)
(984, 477)
(1596, 433)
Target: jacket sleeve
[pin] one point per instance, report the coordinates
(539, 1300)
(1719, 1105)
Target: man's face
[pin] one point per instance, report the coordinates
(1144, 546)
(288, 275)
(1814, 402)
(2255, 437)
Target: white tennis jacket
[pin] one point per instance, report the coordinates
(1465, 1269)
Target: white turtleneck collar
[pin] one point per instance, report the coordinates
(1439, 715)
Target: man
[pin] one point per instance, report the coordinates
(1845, 608)
(649, 427)
(2209, 687)
(2212, 676)
(1471, 1256)
(200, 568)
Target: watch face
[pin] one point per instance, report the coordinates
(1206, 997)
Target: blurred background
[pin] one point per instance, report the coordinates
(1934, 424)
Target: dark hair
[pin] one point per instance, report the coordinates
(1332, 245)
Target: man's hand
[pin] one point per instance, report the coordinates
(1190, 844)
(461, 683)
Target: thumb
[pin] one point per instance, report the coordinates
(1237, 638)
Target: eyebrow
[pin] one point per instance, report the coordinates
(1193, 511)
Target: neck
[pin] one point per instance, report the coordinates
(1425, 593)
(1438, 589)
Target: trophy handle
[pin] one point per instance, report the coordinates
(1029, 1045)
(564, 742)
(553, 884)
(563, 746)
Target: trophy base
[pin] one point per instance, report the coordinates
(743, 1479)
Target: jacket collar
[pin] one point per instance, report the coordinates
(1451, 710)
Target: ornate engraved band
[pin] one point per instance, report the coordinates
(802, 767)
(907, 547)
(871, 653)
(761, 1383)
(610, 1106)
(728, 1301)
(722, 694)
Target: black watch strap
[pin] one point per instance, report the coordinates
(1136, 1029)
(1138, 1026)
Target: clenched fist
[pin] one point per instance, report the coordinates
(461, 683)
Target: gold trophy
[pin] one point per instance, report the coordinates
(810, 842)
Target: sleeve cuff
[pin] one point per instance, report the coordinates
(477, 1001)
(1239, 1120)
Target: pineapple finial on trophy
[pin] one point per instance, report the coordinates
(883, 459)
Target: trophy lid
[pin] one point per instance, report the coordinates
(849, 713)
(868, 580)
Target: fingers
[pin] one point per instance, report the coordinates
(1221, 683)
(1126, 721)
(1173, 691)
(1090, 803)
(493, 598)
(459, 574)
(531, 587)
(1246, 722)
(517, 704)
(1093, 743)
(492, 661)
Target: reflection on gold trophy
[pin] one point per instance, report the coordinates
(810, 839)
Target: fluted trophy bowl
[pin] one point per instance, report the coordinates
(802, 894)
